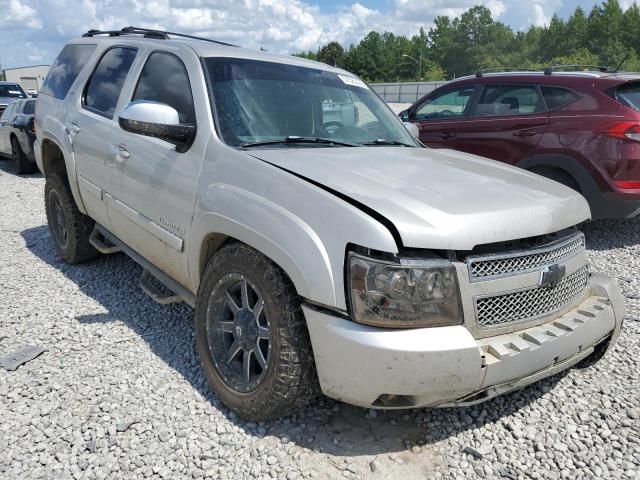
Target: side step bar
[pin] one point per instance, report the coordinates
(178, 290)
(158, 291)
(99, 243)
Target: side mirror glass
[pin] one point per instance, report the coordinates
(158, 120)
(404, 115)
(413, 129)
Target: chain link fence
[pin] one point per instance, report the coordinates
(408, 92)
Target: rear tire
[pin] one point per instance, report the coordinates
(266, 321)
(21, 163)
(69, 228)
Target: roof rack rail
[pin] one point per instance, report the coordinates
(482, 71)
(149, 33)
(554, 68)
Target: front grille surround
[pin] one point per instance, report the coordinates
(529, 304)
(492, 266)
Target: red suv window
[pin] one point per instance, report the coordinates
(501, 100)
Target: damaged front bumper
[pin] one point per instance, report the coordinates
(445, 366)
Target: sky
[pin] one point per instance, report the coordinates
(32, 32)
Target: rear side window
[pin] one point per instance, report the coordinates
(104, 86)
(629, 95)
(555, 97)
(65, 70)
(29, 107)
(164, 79)
(501, 100)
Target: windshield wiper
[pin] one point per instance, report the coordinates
(382, 141)
(296, 139)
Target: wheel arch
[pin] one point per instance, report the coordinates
(269, 229)
(53, 159)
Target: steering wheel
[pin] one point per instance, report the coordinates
(332, 126)
(447, 113)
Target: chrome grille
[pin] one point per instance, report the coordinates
(529, 304)
(491, 266)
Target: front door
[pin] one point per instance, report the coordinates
(441, 115)
(151, 193)
(505, 124)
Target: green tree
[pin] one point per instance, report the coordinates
(331, 54)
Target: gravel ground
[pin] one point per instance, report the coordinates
(119, 393)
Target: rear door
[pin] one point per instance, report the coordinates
(440, 116)
(505, 123)
(92, 125)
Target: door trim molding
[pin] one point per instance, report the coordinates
(143, 222)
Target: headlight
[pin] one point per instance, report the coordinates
(413, 293)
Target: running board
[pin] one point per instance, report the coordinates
(99, 243)
(157, 290)
(179, 290)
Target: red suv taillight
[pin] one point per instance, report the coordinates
(627, 130)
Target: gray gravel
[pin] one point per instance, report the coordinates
(120, 394)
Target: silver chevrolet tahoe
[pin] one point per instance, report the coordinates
(323, 249)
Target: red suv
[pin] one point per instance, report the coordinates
(579, 128)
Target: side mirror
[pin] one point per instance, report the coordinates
(413, 129)
(158, 120)
(404, 115)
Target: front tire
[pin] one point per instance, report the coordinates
(252, 336)
(69, 228)
(21, 163)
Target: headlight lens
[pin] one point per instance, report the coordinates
(422, 293)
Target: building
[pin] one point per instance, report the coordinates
(29, 78)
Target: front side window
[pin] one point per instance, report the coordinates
(449, 104)
(104, 86)
(12, 91)
(501, 100)
(164, 79)
(257, 101)
(66, 69)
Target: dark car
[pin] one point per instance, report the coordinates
(9, 92)
(581, 128)
(17, 135)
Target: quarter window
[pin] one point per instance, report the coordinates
(164, 79)
(65, 70)
(501, 100)
(449, 104)
(104, 86)
(555, 97)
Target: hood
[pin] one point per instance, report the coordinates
(7, 100)
(439, 199)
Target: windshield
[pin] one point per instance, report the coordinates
(259, 101)
(12, 91)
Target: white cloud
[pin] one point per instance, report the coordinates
(277, 25)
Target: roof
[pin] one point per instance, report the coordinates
(202, 46)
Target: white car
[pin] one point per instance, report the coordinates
(328, 254)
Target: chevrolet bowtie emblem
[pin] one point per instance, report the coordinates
(552, 275)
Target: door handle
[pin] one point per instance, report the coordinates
(525, 133)
(73, 127)
(447, 135)
(120, 151)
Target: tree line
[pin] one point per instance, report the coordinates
(606, 36)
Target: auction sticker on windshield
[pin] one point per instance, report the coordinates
(356, 82)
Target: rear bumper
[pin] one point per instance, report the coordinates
(373, 367)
